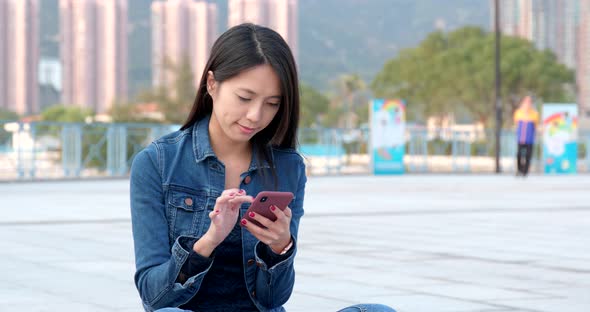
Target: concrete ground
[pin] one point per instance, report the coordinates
(418, 243)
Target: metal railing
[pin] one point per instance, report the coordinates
(50, 150)
(46, 150)
(345, 151)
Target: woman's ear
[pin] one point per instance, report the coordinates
(211, 83)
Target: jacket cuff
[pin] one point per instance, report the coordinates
(193, 263)
(269, 260)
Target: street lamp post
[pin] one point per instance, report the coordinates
(498, 104)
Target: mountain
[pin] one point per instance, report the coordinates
(335, 36)
(359, 36)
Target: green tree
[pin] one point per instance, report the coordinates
(314, 105)
(362, 113)
(8, 115)
(333, 117)
(61, 113)
(350, 94)
(127, 113)
(93, 135)
(175, 100)
(454, 73)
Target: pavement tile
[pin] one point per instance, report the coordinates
(418, 243)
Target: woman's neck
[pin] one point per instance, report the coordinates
(223, 146)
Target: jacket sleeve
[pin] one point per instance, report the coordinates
(158, 265)
(274, 284)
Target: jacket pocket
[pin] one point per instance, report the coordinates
(187, 211)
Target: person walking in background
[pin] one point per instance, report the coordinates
(526, 119)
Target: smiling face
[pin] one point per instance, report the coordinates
(244, 104)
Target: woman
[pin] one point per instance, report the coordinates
(189, 190)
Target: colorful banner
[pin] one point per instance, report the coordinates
(387, 141)
(560, 138)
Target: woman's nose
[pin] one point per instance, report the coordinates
(254, 113)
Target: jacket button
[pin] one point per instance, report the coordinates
(247, 179)
(254, 293)
(259, 264)
(188, 201)
(251, 261)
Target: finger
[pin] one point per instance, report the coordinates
(260, 233)
(223, 199)
(236, 203)
(234, 192)
(213, 213)
(230, 191)
(227, 195)
(261, 219)
(277, 212)
(288, 212)
(241, 199)
(275, 228)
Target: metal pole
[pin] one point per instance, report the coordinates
(498, 96)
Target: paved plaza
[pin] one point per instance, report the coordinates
(419, 243)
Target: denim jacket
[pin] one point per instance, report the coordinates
(174, 184)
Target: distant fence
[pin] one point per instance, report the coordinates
(47, 150)
(344, 151)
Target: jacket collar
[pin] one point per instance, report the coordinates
(202, 146)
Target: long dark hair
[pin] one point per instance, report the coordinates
(243, 47)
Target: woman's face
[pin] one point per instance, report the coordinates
(245, 104)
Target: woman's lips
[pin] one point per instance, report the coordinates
(246, 130)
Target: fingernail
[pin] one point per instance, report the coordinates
(216, 211)
(252, 215)
(273, 207)
(242, 191)
(244, 222)
(232, 194)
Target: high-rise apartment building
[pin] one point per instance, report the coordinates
(19, 55)
(93, 50)
(563, 26)
(583, 54)
(549, 24)
(181, 30)
(280, 15)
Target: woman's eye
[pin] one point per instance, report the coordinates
(244, 99)
(274, 104)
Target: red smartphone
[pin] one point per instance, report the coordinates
(264, 200)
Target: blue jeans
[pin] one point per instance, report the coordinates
(368, 308)
(354, 308)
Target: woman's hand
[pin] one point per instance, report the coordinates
(276, 235)
(223, 218)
